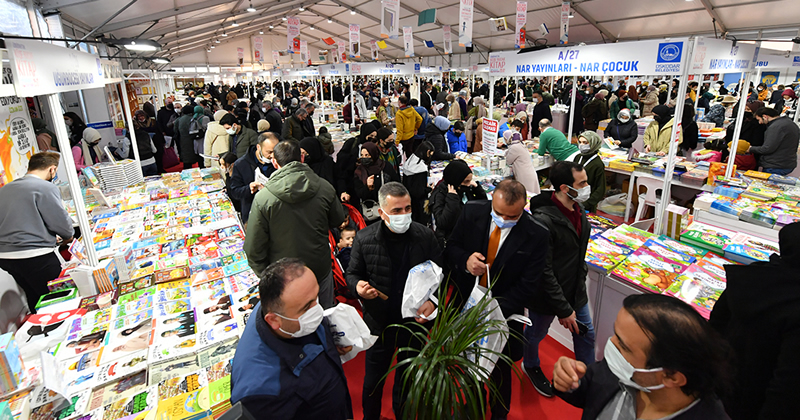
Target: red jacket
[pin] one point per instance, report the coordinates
(745, 162)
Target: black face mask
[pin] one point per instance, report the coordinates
(365, 161)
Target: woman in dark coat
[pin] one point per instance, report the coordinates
(622, 129)
(188, 156)
(449, 196)
(346, 161)
(317, 159)
(415, 178)
(372, 172)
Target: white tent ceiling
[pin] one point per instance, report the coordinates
(188, 26)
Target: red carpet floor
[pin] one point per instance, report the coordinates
(526, 403)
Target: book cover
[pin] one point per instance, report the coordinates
(131, 320)
(116, 390)
(138, 284)
(604, 254)
(219, 395)
(170, 294)
(215, 354)
(99, 301)
(699, 288)
(622, 239)
(681, 247)
(649, 270)
(85, 341)
(635, 233)
(766, 246)
(179, 366)
(177, 273)
(172, 308)
(122, 367)
(243, 281)
(220, 370)
(168, 349)
(707, 237)
(178, 385)
(745, 254)
(668, 252)
(143, 401)
(218, 333)
(234, 268)
(127, 341)
(206, 276)
(186, 406)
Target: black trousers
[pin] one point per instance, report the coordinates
(502, 376)
(378, 361)
(32, 275)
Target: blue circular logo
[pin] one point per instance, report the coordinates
(669, 52)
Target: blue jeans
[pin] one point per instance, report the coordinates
(778, 171)
(584, 345)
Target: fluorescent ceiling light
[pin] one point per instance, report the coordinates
(224, 34)
(212, 47)
(216, 41)
(312, 27)
(270, 26)
(302, 9)
(330, 20)
(234, 24)
(283, 18)
(261, 32)
(251, 9)
(352, 11)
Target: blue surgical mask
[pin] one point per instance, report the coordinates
(502, 223)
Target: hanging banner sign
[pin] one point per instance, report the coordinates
(390, 18)
(652, 57)
(721, 56)
(355, 40)
(373, 46)
(16, 138)
(336, 56)
(342, 51)
(376, 69)
(240, 55)
(777, 61)
(293, 34)
(276, 56)
(258, 49)
(465, 12)
(564, 38)
(408, 41)
(522, 19)
(446, 37)
(490, 129)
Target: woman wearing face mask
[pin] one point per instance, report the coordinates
(415, 179)
(623, 129)
(315, 157)
(763, 92)
(449, 196)
(383, 113)
(657, 134)
(652, 368)
(589, 144)
(520, 161)
(148, 125)
(90, 150)
(689, 130)
(787, 104)
(226, 164)
(75, 125)
(372, 172)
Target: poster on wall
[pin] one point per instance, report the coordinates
(408, 41)
(465, 12)
(355, 40)
(522, 19)
(770, 78)
(16, 139)
(490, 128)
(564, 38)
(390, 18)
(258, 49)
(293, 34)
(446, 38)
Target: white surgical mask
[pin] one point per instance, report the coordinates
(584, 148)
(535, 101)
(623, 370)
(503, 223)
(309, 321)
(399, 223)
(231, 131)
(583, 193)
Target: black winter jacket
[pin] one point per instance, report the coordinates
(244, 172)
(626, 133)
(563, 282)
(364, 193)
(446, 208)
(436, 137)
(275, 121)
(370, 261)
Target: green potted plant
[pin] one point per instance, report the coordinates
(445, 379)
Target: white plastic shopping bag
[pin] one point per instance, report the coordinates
(497, 340)
(349, 330)
(422, 282)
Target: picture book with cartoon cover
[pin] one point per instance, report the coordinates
(667, 252)
(171, 274)
(220, 370)
(172, 308)
(699, 288)
(145, 400)
(219, 395)
(167, 295)
(159, 371)
(600, 253)
(707, 237)
(649, 270)
(122, 367)
(130, 320)
(620, 238)
(187, 406)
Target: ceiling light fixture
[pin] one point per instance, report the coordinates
(216, 41)
(302, 9)
(312, 27)
(270, 26)
(224, 34)
(353, 11)
(251, 9)
(283, 18)
(261, 32)
(160, 60)
(212, 47)
(571, 15)
(135, 44)
(330, 20)
(234, 24)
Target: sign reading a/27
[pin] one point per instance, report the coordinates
(568, 55)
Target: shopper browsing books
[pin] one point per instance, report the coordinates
(33, 221)
(290, 217)
(589, 144)
(663, 361)
(286, 364)
(244, 182)
(779, 152)
(657, 134)
(554, 142)
(623, 129)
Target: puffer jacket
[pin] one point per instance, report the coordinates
(247, 137)
(780, 145)
(293, 129)
(217, 142)
(563, 281)
(650, 101)
(407, 121)
(436, 136)
(446, 208)
(370, 261)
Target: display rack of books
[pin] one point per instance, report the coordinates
(142, 88)
(109, 176)
(155, 328)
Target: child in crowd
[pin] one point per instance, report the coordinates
(345, 245)
(744, 161)
(712, 152)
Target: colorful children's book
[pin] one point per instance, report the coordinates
(173, 274)
(745, 254)
(620, 238)
(604, 254)
(681, 247)
(699, 288)
(140, 402)
(172, 308)
(668, 252)
(191, 382)
(649, 270)
(707, 237)
(187, 406)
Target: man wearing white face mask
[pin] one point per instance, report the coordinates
(664, 361)
(287, 365)
(564, 278)
(502, 235)
(382, 255)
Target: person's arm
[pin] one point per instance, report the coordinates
(417, 120)
(364, 193)
(256, 242)
(357, 270)
(447, 211)
(597, 180)
(77, 156)
(152, 146)
(543, 140)
(239, 188)
(631, 133)
(335, 213)
(54, 215)
(771, 142)
(576, 397)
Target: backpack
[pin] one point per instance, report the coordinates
(196, 130)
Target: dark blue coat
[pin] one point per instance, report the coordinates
(244, 172)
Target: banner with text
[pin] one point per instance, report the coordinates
(336, 56)
(240, 55)
(258, 49)
(373, 46)
(465, 12)
(564, 37)
(490, 129)
(276, 56)
(304, 51)
(17, 140)
(408, 41)
(390, 18)
(446, 38)
(355, 40)
(342, 46)
(721, 56)
(522, 19)
(293, 34)
(653, 57)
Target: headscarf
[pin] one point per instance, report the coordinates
(594, 145)
(651, 88)
(89, 145)
(741, 148)
(262, 125)
(139, 125)
(624, 112)
(603, 93)
(422, 152)
(456, 172)
(632, 94)
(199, 111)
(366, 129)
(522, 116)
(497, 116)
(755, 106)
(789, 93)
(512, 137)
(442, 123)
(314, 151)
(40, 126)
(662, 112)
(708, 95)
(364, 172)
(219, 114)
(663, 88)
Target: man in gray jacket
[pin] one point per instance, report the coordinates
(779, 151)
(33, 221)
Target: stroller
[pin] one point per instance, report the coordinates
(341, 290)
